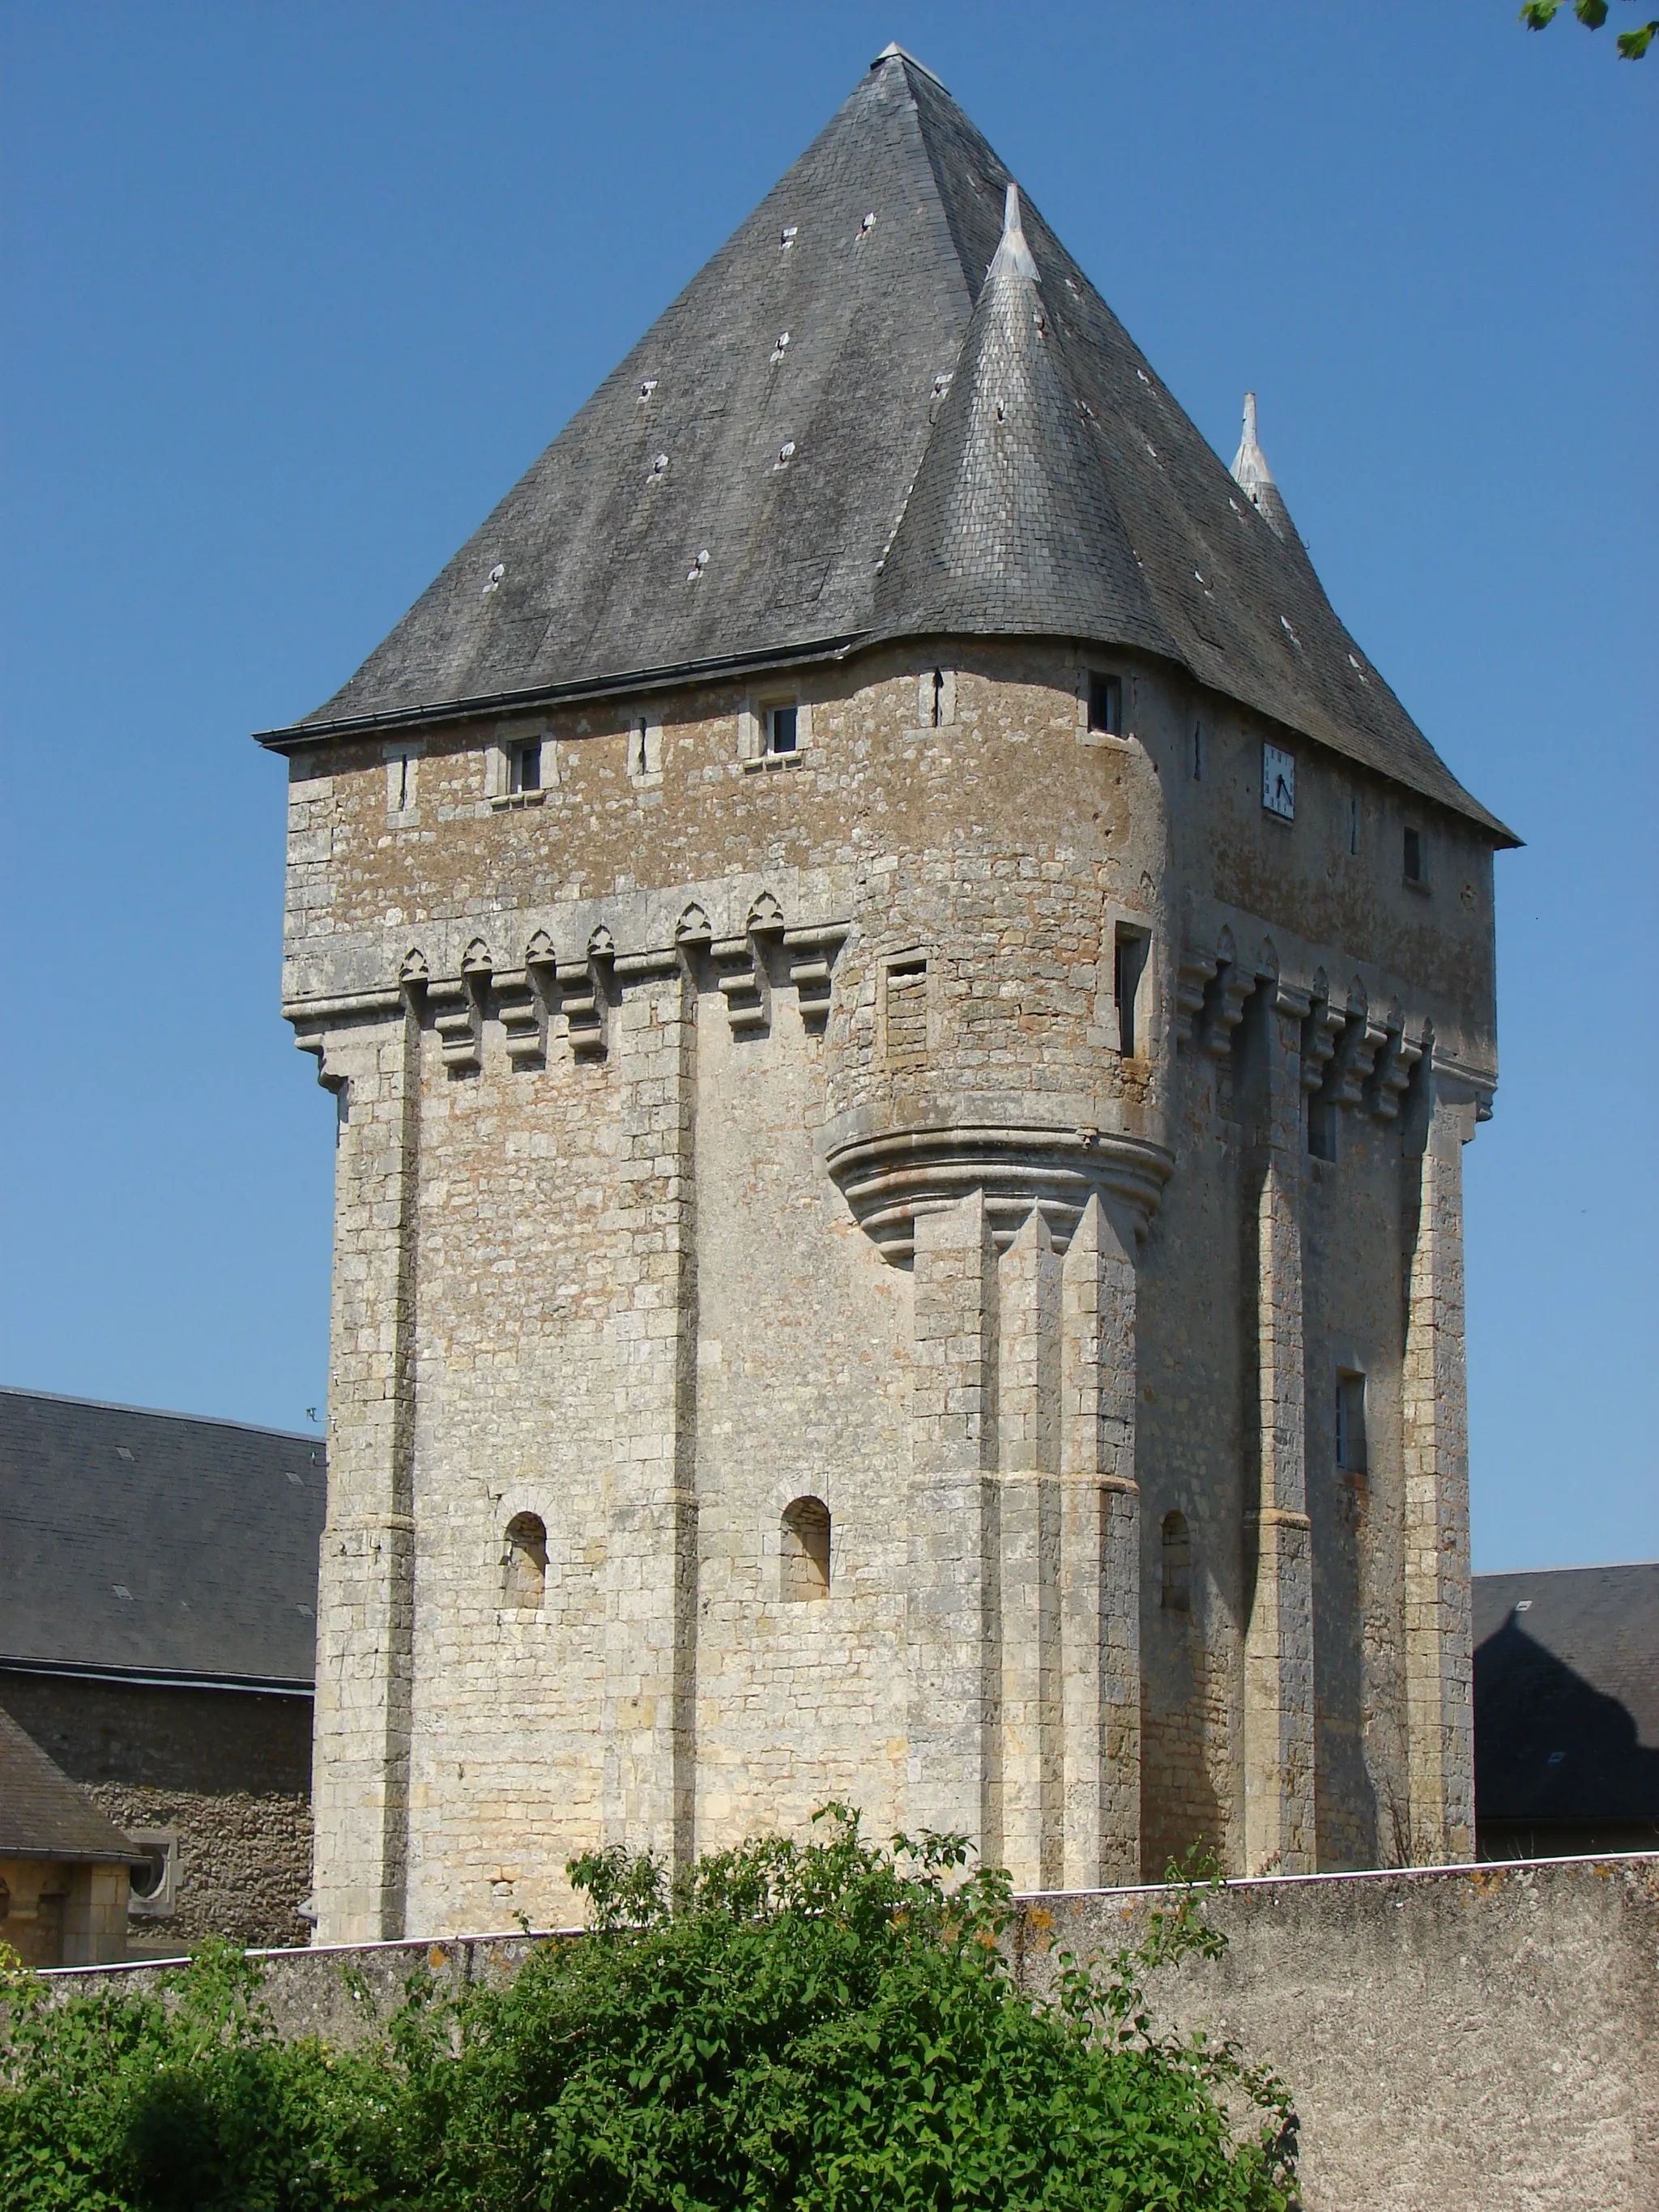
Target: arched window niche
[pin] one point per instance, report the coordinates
(1175, 1587)
(806, 1550)
(525, 1565)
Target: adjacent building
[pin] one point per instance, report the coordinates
(904, 1002)
(158, 1591)
(65, 1869)
(1566, 1711)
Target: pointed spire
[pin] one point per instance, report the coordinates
(1013, 252)
(1010, 524)
(1256, 479)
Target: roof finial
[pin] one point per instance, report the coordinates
(1256, 479)
(892, 52)
(1013, 248)
(1250, 470)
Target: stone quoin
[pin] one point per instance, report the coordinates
(904, 1004)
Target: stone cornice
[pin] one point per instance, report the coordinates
(767, 953)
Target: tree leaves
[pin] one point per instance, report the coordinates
(1539, 15)
(796, 2027)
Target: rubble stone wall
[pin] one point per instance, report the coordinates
(225, 1773)
(1455, 2039)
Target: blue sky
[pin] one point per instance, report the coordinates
(292, 293)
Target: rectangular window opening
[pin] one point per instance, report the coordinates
(1198, 752)
(525, 774)
(1350, 1422)
(1321, 1128)
(1415, 873)
(1129, 966)
(782, 729)
(1353, 825)
(1105, 703)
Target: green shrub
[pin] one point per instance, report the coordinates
(803, 2028)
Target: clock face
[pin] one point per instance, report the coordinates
(1278, 782)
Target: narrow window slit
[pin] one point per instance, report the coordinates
(1351, 1423)
(1129, 967)
(1175, 1591)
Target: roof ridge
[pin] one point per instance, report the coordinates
(1600, 1567)
(160, 1413)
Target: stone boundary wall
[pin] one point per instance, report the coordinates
(1481, 2038)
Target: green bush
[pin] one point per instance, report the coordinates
(802, 2028)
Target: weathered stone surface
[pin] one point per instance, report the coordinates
(1465, 2039)
(1002, 1135)
(225, 1775)
(1471, 2039)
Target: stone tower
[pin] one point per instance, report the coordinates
(904, 1004)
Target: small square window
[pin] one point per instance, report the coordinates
(782, 729)
(526, 766)
(1105, 703)
(1416, 869)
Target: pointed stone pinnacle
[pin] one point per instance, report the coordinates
(1250, 471)
(1254, 478)
(1012, 251)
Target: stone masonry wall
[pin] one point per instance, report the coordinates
(651, 1077)
(244, 1865)
(1467, 2040)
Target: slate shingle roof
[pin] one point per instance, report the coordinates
(43, 1815)
(1566, 1695)
(149, 1542)
(831, 377)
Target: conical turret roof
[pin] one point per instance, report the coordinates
(805, 452)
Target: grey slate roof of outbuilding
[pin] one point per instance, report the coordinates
(869, 437)
(1566, 1695)
(149, 1543)
(43, 1815)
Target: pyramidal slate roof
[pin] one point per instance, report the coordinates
(891, 405)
